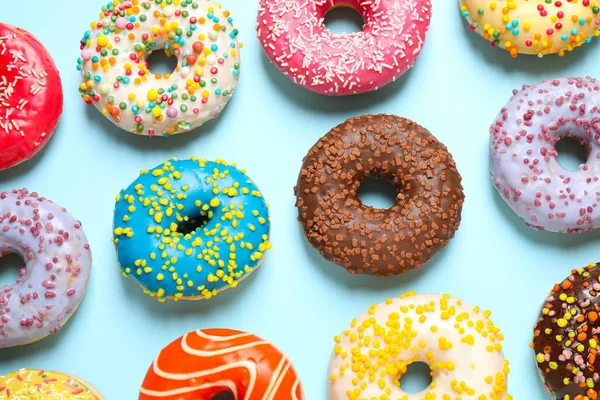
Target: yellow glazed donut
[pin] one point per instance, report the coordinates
(537, 27)
(45, 385)
(460, 344)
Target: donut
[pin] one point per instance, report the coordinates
(565, 339)
(296, 40)
(57, 267)
(459, 343)
(116, 75)
(188, 229)
(206, 363)
(367, 240)
(38, 384)
(533, 27)
(523, 160)
(31, 96)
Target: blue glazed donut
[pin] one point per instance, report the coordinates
(189, 229)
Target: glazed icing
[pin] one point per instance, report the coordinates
(537, 27)
(37, 384)
(31, 97)
(523, 160)
(58, 263)
(295, 39)
(204, 363)
(171, 256)
(116, 78)
(460, 344)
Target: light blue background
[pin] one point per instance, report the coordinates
(296, 300)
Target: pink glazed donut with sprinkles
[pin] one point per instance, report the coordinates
(57, 267)
(294, 36)
(523, 160)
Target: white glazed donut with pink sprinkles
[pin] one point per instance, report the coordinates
(523, 160)
(294, 36)
(58, 262)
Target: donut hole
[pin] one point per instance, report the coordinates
(12, 268)
(159, 62)
(572, 153)
(344, 19)
(223, 396)
(192, 224)
(416, 379)
(377, 193)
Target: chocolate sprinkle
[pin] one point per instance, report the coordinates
(367, 240)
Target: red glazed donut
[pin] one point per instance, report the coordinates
(203, 364)
(31, 97)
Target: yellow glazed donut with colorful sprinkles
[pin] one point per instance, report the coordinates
(46, 385)
(460, 344)
(118, 81)
(536, 27)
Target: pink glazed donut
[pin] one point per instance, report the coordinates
(296, 40)
(523, 155)
(57, 267)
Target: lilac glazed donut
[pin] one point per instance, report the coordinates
(523, 155)
(58, 262)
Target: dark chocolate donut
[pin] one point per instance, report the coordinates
(566, 339)
(367, 240)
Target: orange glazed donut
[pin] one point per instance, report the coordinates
(203, 364)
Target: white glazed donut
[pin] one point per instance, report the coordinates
(523, 155)
(57, 267)
(116, 78)
(460, 344)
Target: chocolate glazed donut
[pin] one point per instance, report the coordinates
(367, 240)
(567, 334)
